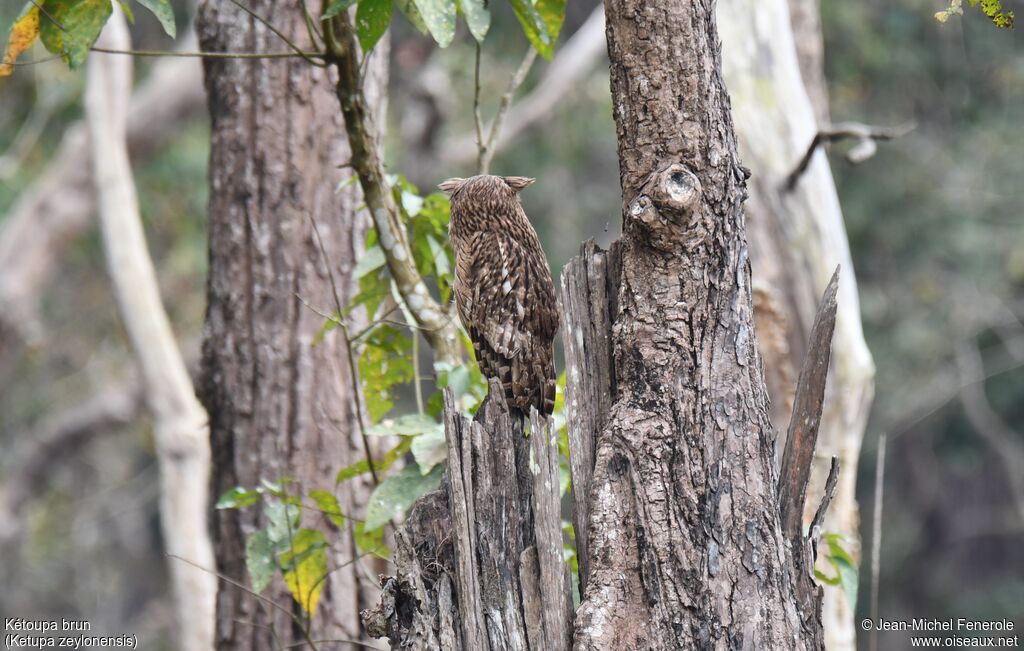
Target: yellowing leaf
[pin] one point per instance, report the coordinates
(23, 34)
(304, 567)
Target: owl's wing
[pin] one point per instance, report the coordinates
(512, 317)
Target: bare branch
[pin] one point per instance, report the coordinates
(574, 60)
(487, 148)
(180, 422)
(867, 137)
(826, 499)
(297, 54)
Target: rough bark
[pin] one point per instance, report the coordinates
(278, 406)
(479, 563)
(179, 421)
(797, 238)
(685, 547)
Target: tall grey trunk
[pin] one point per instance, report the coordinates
(278, 406)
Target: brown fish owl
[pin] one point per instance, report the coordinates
(503, 288)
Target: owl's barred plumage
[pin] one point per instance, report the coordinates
(503, 288)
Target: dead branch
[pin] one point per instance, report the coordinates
(795, 470)
(866, 135)
(803, 426)
(180, 422)
(815, 531)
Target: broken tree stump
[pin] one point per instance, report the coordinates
(479, 561)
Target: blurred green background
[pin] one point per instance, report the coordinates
(934, 221)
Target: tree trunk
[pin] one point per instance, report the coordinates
(679, 526)
(278, 406)
(684, 543)
(479, 563)
(797, 237)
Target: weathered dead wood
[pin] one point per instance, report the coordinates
(795, 470)
(491, 536)
(586, 299)
(803, 426)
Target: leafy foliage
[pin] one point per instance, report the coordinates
(398, 492)
(541, 20)
(304, 565)
(384, 363)
(299, 553)
(372, 20)
(164, 13)
(70, 27)
(1000, 17)
(846, 574)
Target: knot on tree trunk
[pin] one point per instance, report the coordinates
(479, 562)
(665, 204)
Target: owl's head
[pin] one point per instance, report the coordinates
(485, 186)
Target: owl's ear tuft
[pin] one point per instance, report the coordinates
(517, 183)
(451, 185)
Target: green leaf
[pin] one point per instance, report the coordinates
(398, 492)
(304, 567)
(848, 577)
(330, 323)
(259, 559)
(362, 467)
(827, 580)
(127, 11)
(552, 12)
(336, 8)
(283, 521)
(371, 541)
(439, 15)
(372, 258)
(328, 503)
(407, 425)
(412, 14)
(237, 498)
(82, 22)
(412, 203)
(533, 26)
(164, 12)
(372, 20)
(478, 19)
(430, 449)
(384, 363)
(994, 10)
